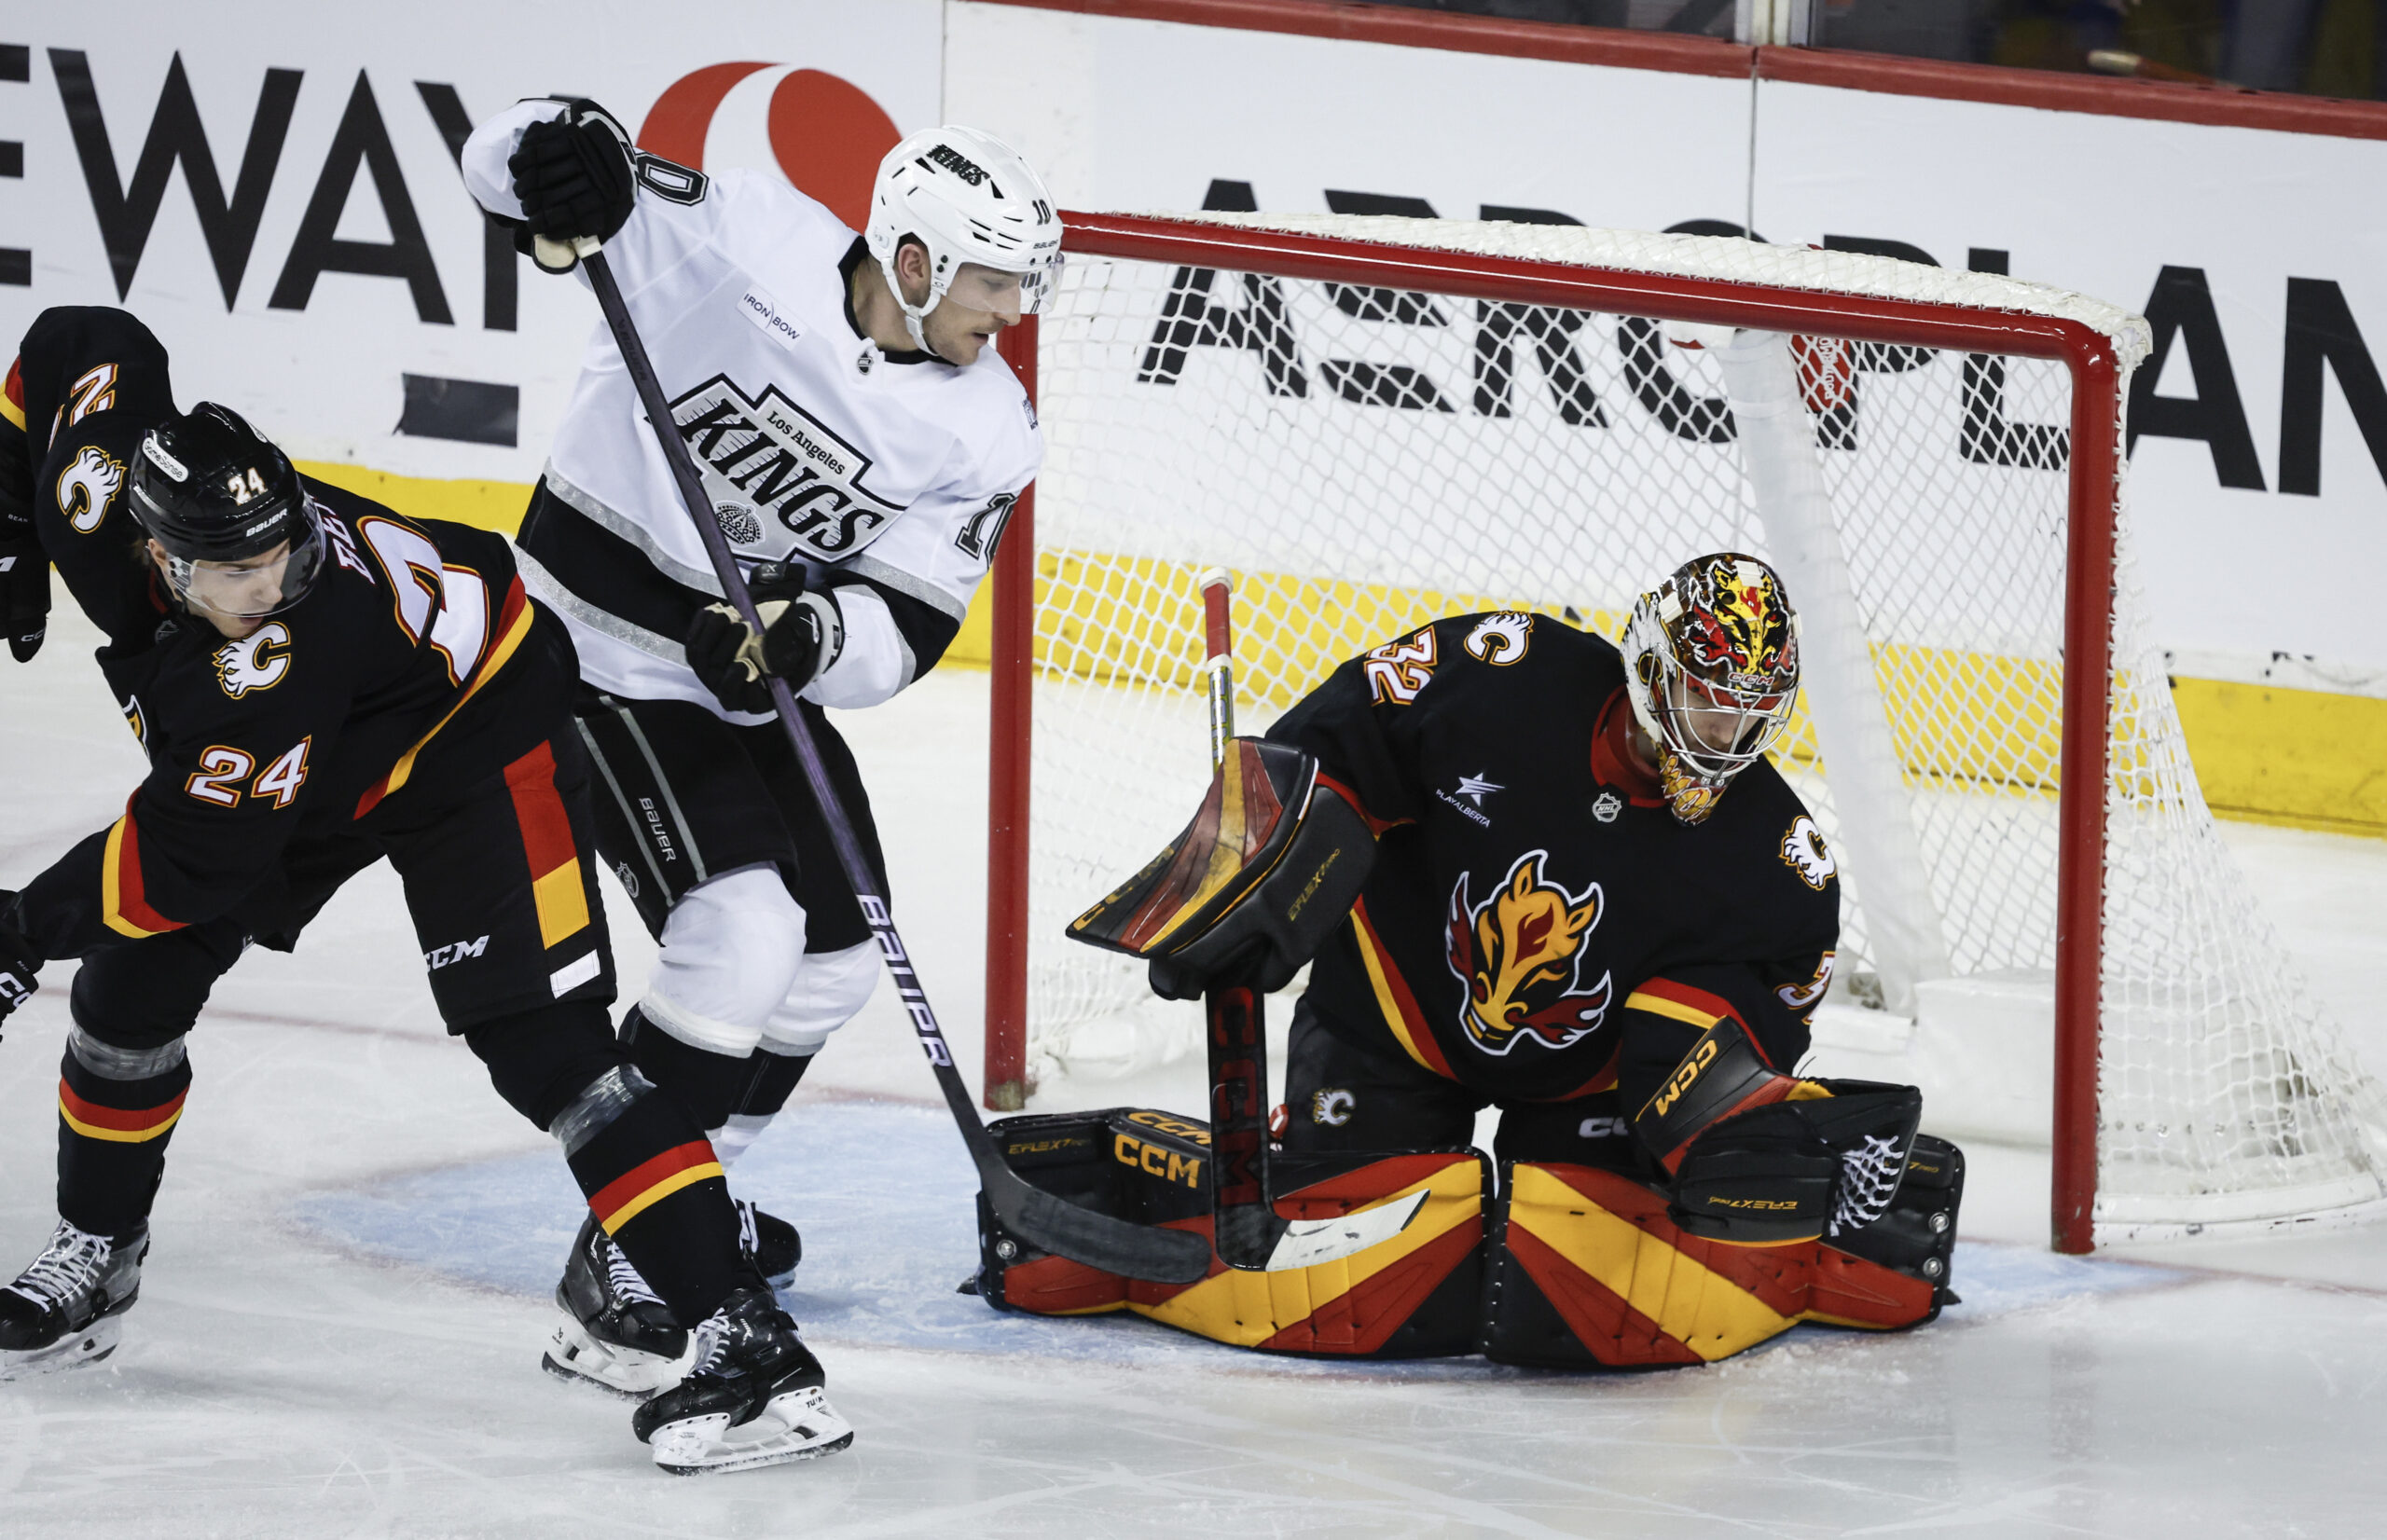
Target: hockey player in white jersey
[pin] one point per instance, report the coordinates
(862, 446)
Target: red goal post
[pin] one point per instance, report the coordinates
(1748, 287)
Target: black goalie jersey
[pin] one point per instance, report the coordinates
(1530, 877)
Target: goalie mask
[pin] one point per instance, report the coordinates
(1711, 661)
(968, 198)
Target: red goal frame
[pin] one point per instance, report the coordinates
(2092, 503)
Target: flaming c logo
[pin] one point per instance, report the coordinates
(1519, 953)
(1739, 621)
(826, 132)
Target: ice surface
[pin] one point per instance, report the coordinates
(339, 1328)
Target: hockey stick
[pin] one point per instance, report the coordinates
(1246, 1228)
(1037, 1216)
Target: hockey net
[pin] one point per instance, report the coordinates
(1374, 422)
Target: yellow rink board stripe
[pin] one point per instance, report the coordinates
(2303, 758)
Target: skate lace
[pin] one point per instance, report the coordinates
(71, 1263)
(712, 1343)
(624, 1279)
(1868, 1179)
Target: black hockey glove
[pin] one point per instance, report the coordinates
(18, 962)
(24, 590)
(573, 174)
(802, 635)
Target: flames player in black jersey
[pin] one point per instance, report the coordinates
(1536, 872)
(320, 683)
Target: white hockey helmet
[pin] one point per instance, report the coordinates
(967, 197)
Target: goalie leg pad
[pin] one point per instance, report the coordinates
(1588, 1268)
(1414, 1296)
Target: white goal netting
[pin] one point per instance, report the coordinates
(1365, 459)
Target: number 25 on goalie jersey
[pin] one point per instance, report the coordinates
(386, 676)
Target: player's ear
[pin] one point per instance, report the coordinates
(912, 267)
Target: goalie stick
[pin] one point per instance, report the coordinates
(1250, 1235)
(1037, 1216)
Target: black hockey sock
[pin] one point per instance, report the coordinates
(710, 1085)
(117, 1110)
(653, 1182)
(771, 1078)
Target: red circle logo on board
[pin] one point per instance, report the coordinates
(826, 132)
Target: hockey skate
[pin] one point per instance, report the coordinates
(68, 1307)
(615, 1333)
(757, 1396)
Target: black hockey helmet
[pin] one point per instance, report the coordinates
(218, 496)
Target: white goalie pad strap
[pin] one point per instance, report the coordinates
(829, 991)
(731, 952)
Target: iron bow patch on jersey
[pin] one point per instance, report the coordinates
(1520, 953)
(766, 454)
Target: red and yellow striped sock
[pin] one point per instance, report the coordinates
(653, 1182)
(113, 1123)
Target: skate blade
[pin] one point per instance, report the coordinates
(798, 1425)
(87, 1346)
(576, 1358)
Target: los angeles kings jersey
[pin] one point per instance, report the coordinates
(889, 474)
(1529, 874)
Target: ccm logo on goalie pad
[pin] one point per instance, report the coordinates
(1152, 1159)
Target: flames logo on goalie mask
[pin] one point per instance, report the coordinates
(1736, 625)
(1520, 953)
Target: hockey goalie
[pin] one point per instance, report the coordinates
(1534, 870)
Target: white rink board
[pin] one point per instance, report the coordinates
(326, 379)
(2231, 570)
(1134, 115)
